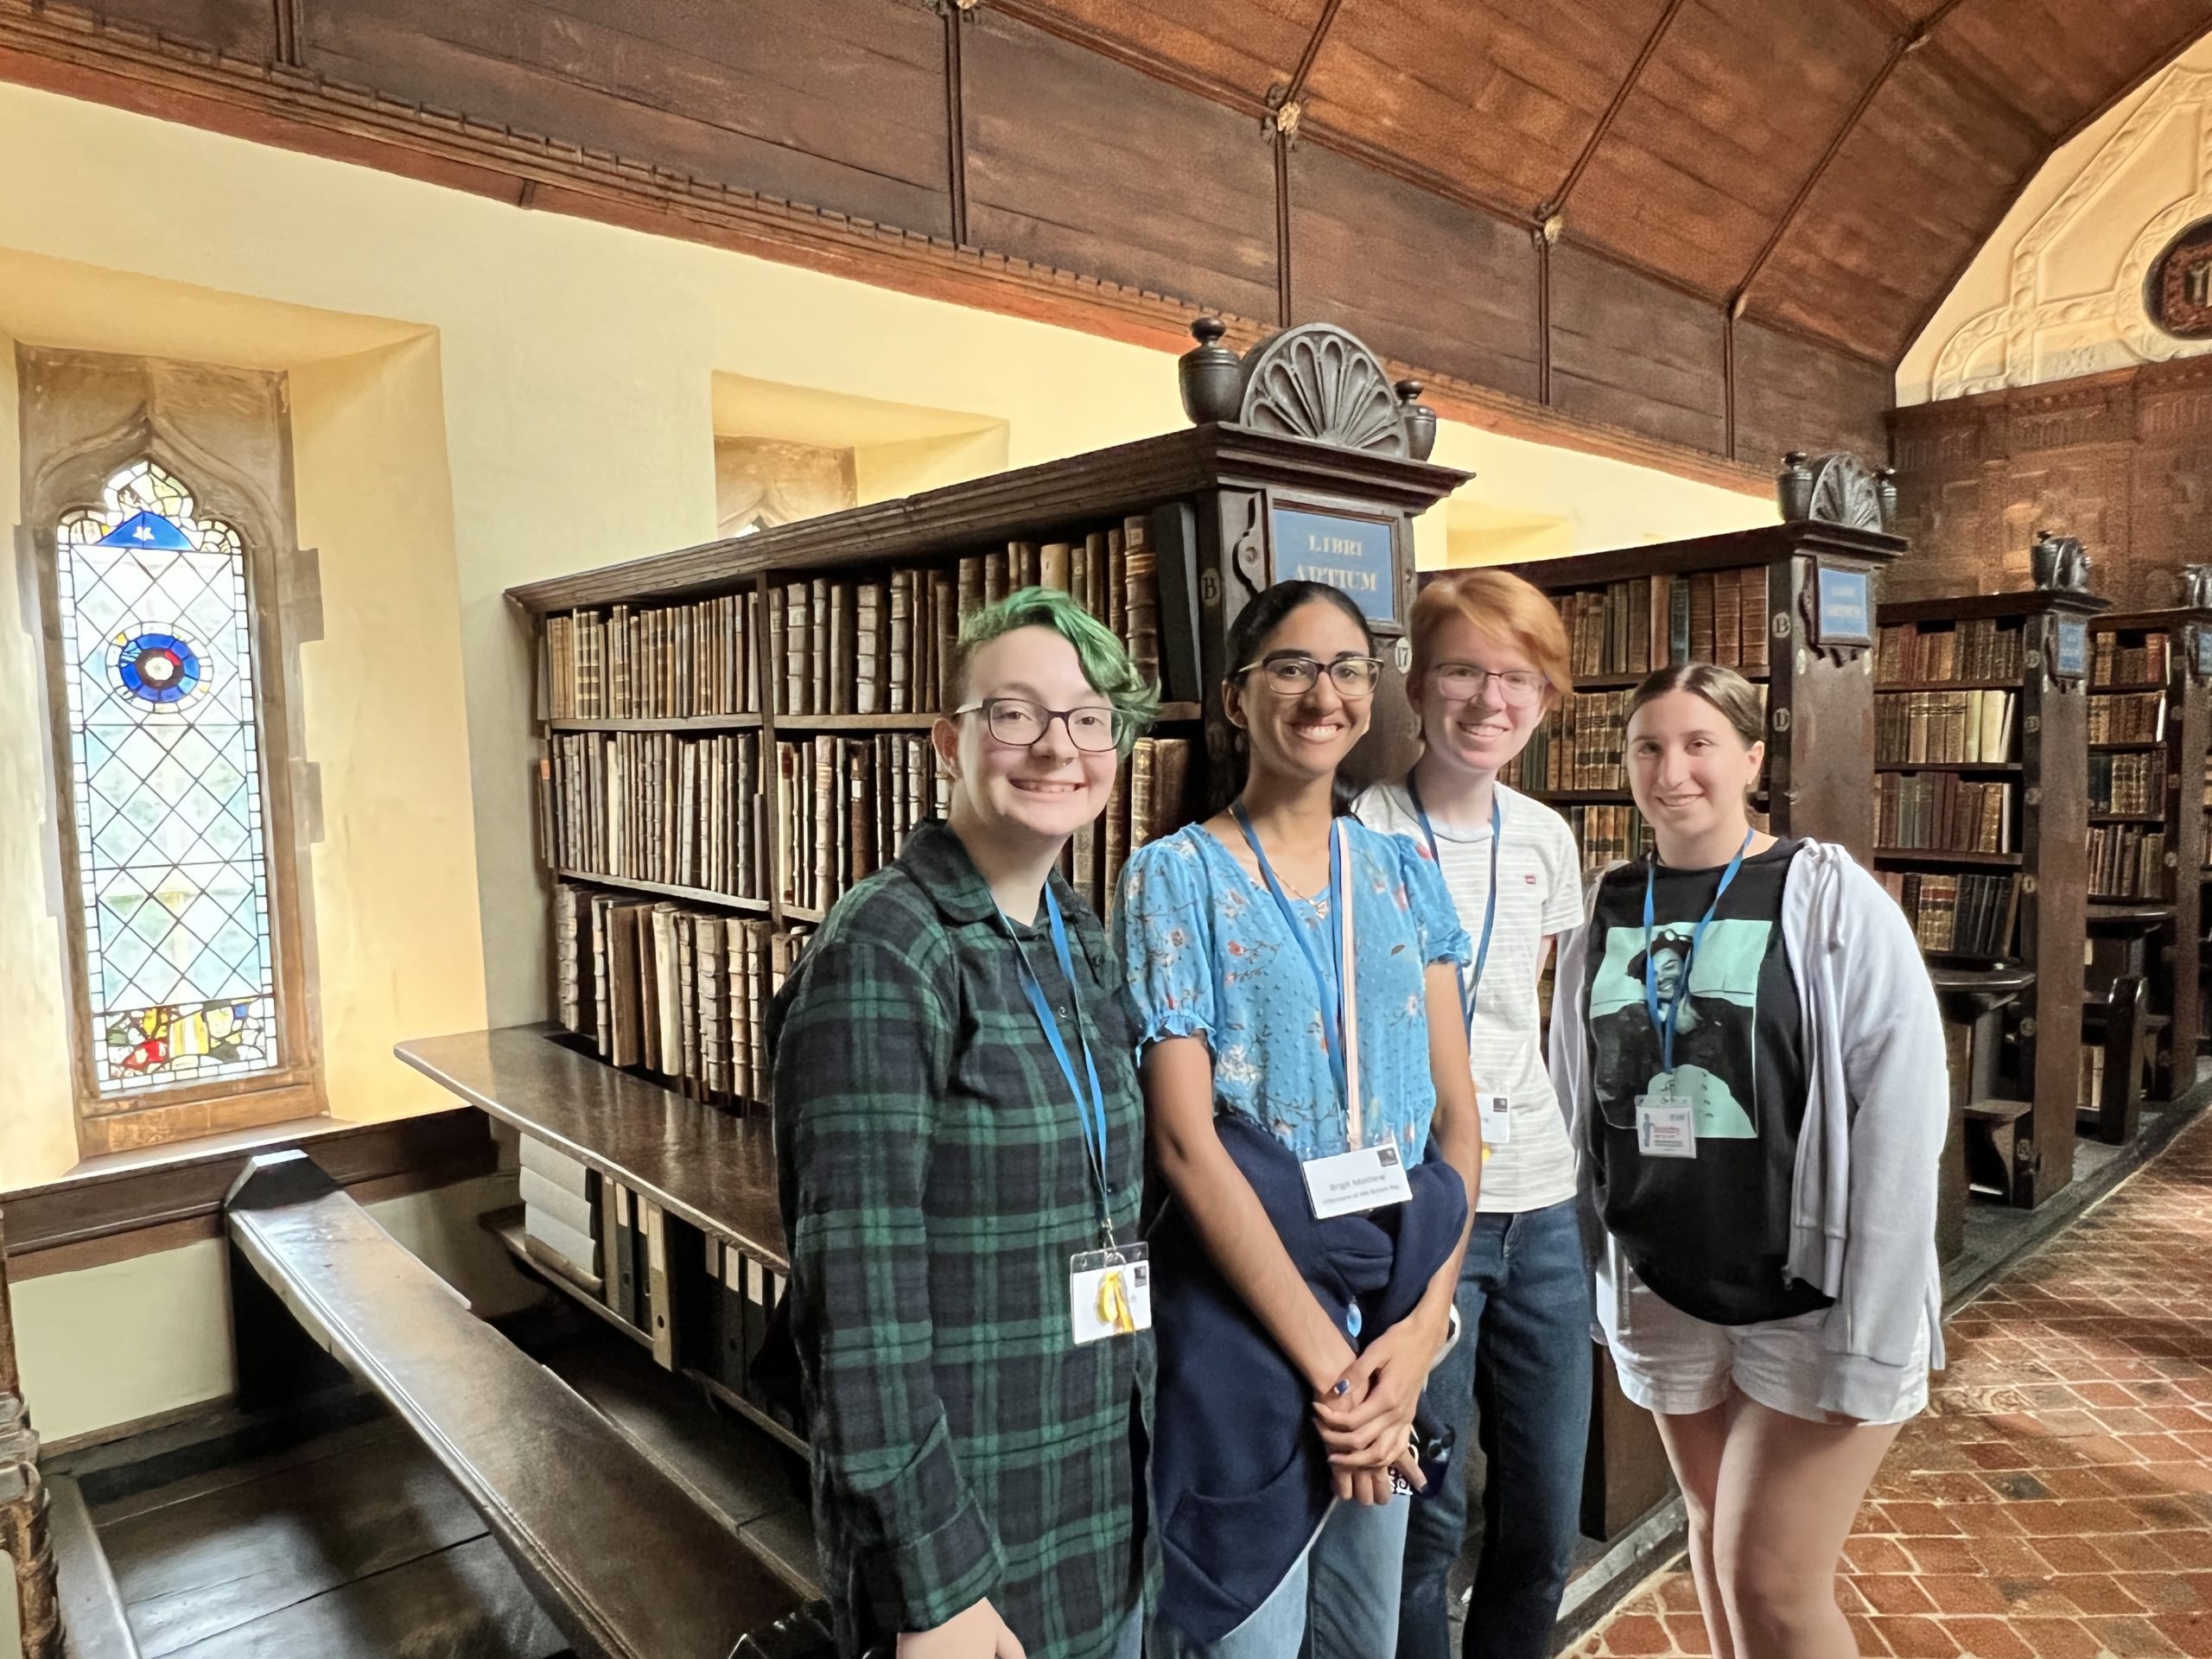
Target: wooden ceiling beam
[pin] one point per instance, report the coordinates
(1048, 21)
(1546, 210)
(1899, 48)
(1322, 24)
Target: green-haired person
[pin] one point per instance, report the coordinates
(959, 1139)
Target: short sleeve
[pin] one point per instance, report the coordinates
(1163, 933)
(1436, 919)
(1563, 907)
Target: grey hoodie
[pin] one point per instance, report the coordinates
(1862, 1221)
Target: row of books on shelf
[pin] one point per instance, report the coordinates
(1986, 648)
(678, 992)
(2127, 717)
(1967, 915)
(1958, 728)
(844, 806)
(1608, 835)
(1941, 812)
(619, 1248)
(2114, 661)
(835, 644)
(2128, 861)
(661, 662)
(1708, 616)
(651, 806)
(2129, 781)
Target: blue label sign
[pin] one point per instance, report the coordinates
(1352, 554)
(2071, 660)
(1846, 607)
(2204, 653)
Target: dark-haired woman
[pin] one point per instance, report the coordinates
(1753, 1057)
(1312, 1115)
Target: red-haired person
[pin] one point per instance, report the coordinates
(1489, 655)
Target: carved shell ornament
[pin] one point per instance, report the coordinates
(1843, 492)
(1318, 382)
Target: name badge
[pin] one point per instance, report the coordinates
(1351, 1183)
(1109, 1292)
(1664, 1128)
(1498, 1119)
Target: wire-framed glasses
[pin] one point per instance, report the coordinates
(1516, 687)
(1018, 723)
(1294, 675)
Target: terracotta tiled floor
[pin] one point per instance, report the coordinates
(2056, 1501)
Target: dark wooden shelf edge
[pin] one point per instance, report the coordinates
(1883, 687)
(1939, 855)
(1947, 766)
(671, 723)
(744, 1408)
(666, 890)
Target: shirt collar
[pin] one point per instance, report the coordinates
(938, 863)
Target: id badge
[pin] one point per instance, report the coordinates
(1498, 1119)
(1109, 1292)
(1665, 1128)
(1351, 1183)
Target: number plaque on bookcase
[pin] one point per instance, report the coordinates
(734, 734)
(1982, 821)
(2150, 722)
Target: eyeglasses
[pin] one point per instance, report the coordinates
(1517, 688)
(1017, 723)
(1292, 677)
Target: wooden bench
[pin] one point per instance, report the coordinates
(621, 1558)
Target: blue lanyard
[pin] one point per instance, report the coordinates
(1332, 994)
(1664, 1024)
(1470, 991)
(1093, 1117)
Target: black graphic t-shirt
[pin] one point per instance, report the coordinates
(1710, 1234)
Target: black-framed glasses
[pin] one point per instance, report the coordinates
(1294, 675)
(1018, 723)
(1516, 687)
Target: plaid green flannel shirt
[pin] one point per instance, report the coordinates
(934, 1184)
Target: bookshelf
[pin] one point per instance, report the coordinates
(1747, 600)
(732, 735)
(2163, 660)
(1982, 814)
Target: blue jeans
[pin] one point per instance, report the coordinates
(1338, 1601)
(1524, 1354)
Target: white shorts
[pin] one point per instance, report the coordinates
(1670, 1362)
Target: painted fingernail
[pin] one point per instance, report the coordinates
(1343, 1386)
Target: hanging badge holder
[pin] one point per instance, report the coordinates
(1109, 1292)
(1664, 1126)
(1498, 1119)
(1365, 1177)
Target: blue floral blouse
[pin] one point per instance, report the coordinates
(1209, 956)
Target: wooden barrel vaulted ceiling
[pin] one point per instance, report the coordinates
(1753, 205)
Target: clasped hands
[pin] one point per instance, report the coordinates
(1365, 1415)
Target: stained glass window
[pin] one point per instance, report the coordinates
(165, 768)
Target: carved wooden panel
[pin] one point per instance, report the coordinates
(1632, 350)
(1421, 279)
(247, 28)
(838, 104)
(1078, 163)
(1792, 393)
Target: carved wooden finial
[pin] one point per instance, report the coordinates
(1317, 381)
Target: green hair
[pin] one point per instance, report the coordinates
(1104, 659)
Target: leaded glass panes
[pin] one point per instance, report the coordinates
(165, 773)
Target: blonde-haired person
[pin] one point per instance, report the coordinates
(1490, 656)
(1750, 1047)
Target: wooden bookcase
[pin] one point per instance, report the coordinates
(2033, 649)
(1637, 609)
(2166, 654)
